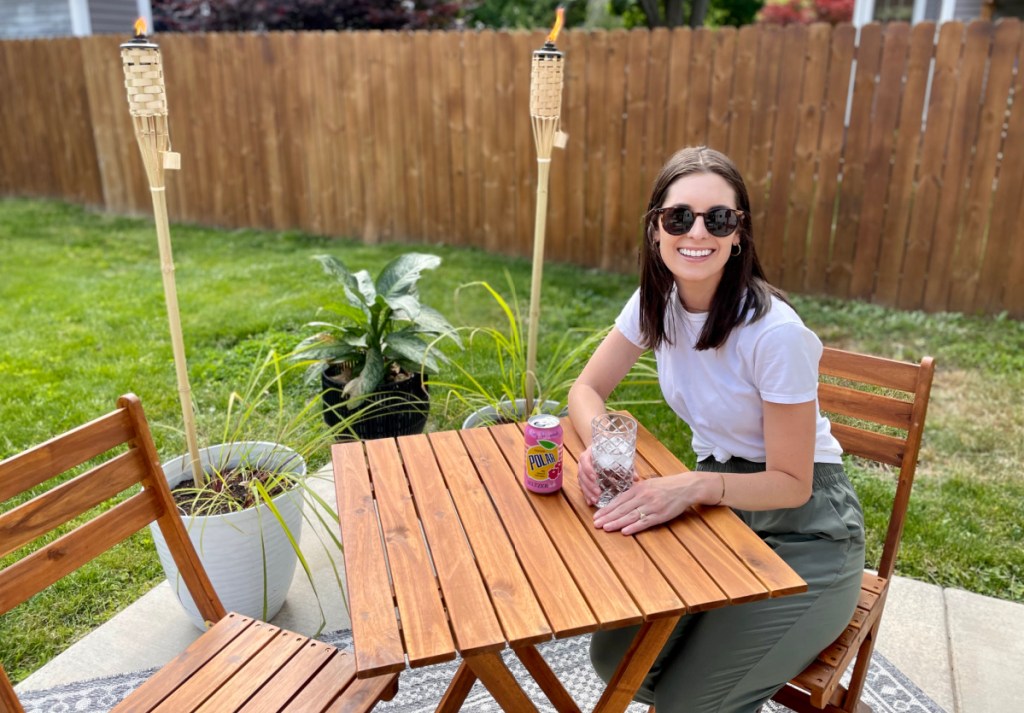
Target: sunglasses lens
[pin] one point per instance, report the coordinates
(677, 220)
(721, 221)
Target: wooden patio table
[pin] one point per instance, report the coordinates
(446, 554)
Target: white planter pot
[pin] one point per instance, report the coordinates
(237, 548)
(489, 414)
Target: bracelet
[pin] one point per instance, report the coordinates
(722, 496)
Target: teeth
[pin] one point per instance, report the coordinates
(694, 253)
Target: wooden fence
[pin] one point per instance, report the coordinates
(888, 167)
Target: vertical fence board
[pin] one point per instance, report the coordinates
(721, 88)
(763, 111)
(524, 157)
(967, 260)
(596, 157)
(772, 235)
(897, 214)
(819, 247)
(854, 158)
(472, 67)
(1003, 247)
(929, 182)
(577, 245)
(742, 97)
(456, 125)
(634, 200)
(613, 115)
(442, 174)
(681, 41)
(506, 143)
(877, 170)
(97, 70)
(966, 110)
(809, 122)
(699, 81)
(656, 149)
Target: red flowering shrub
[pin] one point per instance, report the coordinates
(789, 12)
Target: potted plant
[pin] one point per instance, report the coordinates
(492, 379)
(374, 359)
(245, 520)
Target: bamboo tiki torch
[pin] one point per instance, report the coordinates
(545, 112)
(147, 101)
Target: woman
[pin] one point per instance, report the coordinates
(738, 365)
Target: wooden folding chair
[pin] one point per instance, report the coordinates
(238, 661)
(866, 423)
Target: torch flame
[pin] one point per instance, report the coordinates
(140, 27)
(559, 21)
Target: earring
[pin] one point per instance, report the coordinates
(737, 249)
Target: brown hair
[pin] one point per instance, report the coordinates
(743, 287)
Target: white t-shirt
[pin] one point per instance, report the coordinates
(721, 392)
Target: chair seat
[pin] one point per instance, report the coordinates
(821, 679)
(245, 664)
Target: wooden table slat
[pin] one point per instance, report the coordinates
(776, 575)
(557, 592)
(691, 583)
(371, 605)
(514, 602)
(751, 550)
(735, 579)
(424, 622)
(607, 596)
(645, 582)
(472, 617)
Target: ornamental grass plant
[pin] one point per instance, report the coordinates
(81, 311)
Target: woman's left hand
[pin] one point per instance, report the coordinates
(649, 502)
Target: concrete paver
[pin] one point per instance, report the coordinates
(986, 639)
(913, 636)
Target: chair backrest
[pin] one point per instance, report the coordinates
(64, 501)
(881, 406)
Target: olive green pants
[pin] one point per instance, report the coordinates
(732, 659)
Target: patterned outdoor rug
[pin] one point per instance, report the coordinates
(887, 690)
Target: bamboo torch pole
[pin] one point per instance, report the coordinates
(546, 77)
(147, 102)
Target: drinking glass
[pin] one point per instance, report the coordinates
(613, 450)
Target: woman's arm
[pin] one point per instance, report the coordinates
(789, 432)
(610, 363)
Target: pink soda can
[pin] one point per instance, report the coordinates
(542, 471)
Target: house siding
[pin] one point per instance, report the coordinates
(38, 18)
(113, 16)
(967, 10)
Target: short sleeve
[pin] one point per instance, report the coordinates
(786, 364)
(628, 321)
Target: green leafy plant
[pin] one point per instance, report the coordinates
(268, 437)
(384, 331)
(492, 379)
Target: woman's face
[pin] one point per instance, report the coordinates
(697, 259)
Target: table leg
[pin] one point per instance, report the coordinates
(496, 677)
(546, 679)
(458, 689)
(635, 664)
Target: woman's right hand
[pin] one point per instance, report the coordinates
(588, 478)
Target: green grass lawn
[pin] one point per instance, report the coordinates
(83, 320)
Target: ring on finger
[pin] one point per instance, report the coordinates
(641, 513)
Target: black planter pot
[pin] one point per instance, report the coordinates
(404, 412)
